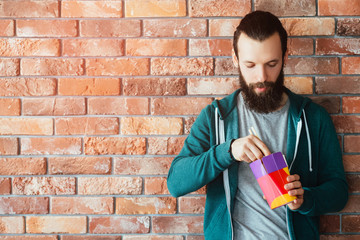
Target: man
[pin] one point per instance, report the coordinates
(285, 122)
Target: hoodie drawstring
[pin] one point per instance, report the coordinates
(298, 132)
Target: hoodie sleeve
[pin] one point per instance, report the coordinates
(330, 194)
(200, 160)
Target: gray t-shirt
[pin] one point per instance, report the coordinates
(252, 216)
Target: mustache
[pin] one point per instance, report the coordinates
(261, 84)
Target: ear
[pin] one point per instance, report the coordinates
(234, 59)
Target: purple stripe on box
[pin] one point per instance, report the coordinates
(257, 169)
(274, 162)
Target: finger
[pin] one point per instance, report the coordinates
(252, 152)
(292, 185)
(293, 178)
(261, 146)
(296, 192)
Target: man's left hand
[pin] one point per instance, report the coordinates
(294, 188)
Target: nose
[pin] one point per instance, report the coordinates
(261, 74)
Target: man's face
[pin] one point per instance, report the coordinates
(261, 72)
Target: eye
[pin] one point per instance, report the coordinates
(250, 65)
(272, 64)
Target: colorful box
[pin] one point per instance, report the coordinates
(271, 172)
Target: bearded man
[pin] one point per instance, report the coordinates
(219, 148)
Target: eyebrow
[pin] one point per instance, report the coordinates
(271, 61)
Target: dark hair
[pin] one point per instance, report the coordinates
(260, 25)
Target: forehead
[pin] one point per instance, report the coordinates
(259, 51)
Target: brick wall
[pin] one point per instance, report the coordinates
(96, 98)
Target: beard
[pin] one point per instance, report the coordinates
(264, 102)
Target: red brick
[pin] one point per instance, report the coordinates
(219, 8)
(29, 47)
(340, 85)
(348, 27)
(86, 126)
(55, 224)
(351, 104)
(347, 124)
(350, 223)
(151, 126)
(118, 106)
(351, 163)
(156, 47)
(10, 107)
(115, 145)
(336, 8)
(79, 165)
(352, 143)
(5, 186)
(340, 237)
(29, 9)
(175, 27)
(53, 106)
(90, 237)
(155, 186)
(109, 185)
(287, 8)
(43, 185)
(189, 121)
(312, 65)
(93, 47)
(145, 205)
(154, 8)
(201, 237)
(7, 28)
(338, 46)
(48, 145)
(89, 86)
(9, 146)
(154, 86)
(177, 224)
(212, 86)
(110, 28)
(89, 9)
(350, 65)
(300, 46)
(24, 205)
(29, 237)
(353, 181)
(142, 166)
(12, 225)
(309, 26)
(222, 27)
(27, 87)
(299, 85)
(165, 145)
(182, 66)
(171, 106)
(225, 66)
(353, 205)
(116, 66)
(46, 28)
(329, 224)
(22, 166)
(152, 237)
(330, 103)
(26, 126)
(103, 225)
(192, 205)
(59, 67)
(82, 205)
(210, 47)
(9, 67)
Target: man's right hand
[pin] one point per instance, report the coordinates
(249, 149)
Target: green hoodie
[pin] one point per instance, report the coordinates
(202, 162)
